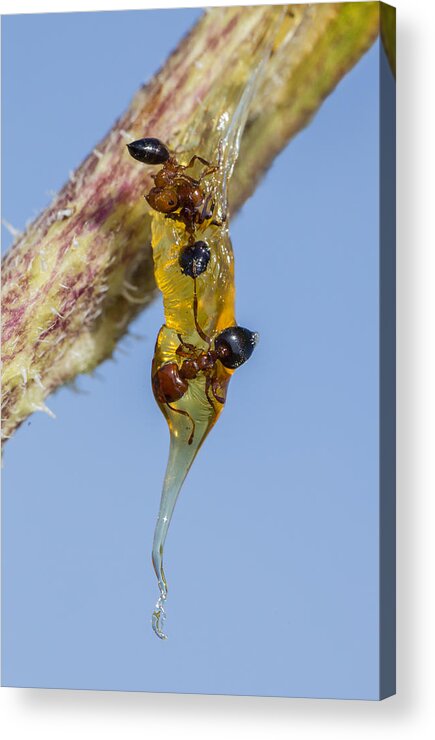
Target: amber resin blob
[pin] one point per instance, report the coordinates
(200, 344)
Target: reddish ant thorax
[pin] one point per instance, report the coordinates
(180, 196)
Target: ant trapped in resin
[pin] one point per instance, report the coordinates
(232, 347)
(175, 194)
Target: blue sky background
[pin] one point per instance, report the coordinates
(272, 566)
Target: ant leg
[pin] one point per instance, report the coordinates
(210, 171)
(192, 161)
(222, 221)
(207, 210)
(184, 413)
(211, 167)
(180, 352)
(219, 223)
(210, 382)
(189, 347)
(207, 388)
(187, 179)
(214, 386)
(195, 315)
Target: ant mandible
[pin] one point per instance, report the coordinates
(232, 347)
(175, 193)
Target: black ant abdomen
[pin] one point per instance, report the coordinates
(149, 151)
(235, 345)
(194, 259)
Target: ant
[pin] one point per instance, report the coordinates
(232, 347)
(175, 193)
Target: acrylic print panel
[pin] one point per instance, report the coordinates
(279, 561)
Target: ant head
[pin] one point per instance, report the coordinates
(194, 259)
(149, 151)
(235, 345)
(164, 200)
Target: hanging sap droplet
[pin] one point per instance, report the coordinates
(200, 345)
